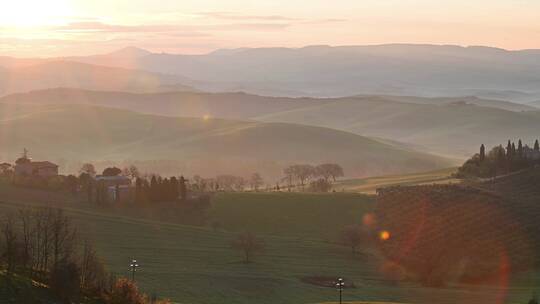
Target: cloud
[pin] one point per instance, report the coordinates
(249, 27)
(235, 16)
(176, 30)
(95, 26)
(323, 21)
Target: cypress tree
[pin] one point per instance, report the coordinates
(153, 188)
(174, 188)
(513, 150)
(509, 150)
(520, 149)
(138, 190)
(482, 153)
(182, 188)
(500, 156)
(165, 190)
(536, 146)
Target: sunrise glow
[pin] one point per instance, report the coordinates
(56, 27)
(34, 13)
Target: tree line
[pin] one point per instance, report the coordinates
(319, 176)
(501, 160)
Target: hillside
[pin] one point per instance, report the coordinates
(448, 126)
(484, 102)
(185, 104)
(76, 133)
(396, 69)
(463, 233)
(369, 185)
(197, 265)
(54, 74)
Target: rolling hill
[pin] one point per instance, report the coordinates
(452, 129)
(325, 71)
(476, 232)
(184, 104)
(54, 74)
(196, 264)
(448, 126)
(76, 133)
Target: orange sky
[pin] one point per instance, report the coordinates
(70, 27)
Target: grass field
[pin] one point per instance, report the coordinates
(196, 265)
(369, 185)
(318, 216)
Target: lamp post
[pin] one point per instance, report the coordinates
(134, 265)
(340, 284)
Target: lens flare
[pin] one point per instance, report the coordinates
(384, 235)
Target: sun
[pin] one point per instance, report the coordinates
(30, 13)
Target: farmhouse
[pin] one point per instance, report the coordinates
(25, 166)
(118, 188)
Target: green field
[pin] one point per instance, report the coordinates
(371, 184)
(317, 216)
(196, 265)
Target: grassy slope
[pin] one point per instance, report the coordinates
(307, 215)
(476, 223)
(455, 129)
(371, 184)
(87, 133)
(445, 125)
(196, 265)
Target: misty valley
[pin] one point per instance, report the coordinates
(245, 152)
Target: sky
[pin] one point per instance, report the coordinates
(46, 28)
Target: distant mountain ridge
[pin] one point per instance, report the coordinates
(326, 71)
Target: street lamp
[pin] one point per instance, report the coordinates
(134, 265)
(340, 284)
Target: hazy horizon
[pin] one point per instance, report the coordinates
(30, 28)
(209, 52)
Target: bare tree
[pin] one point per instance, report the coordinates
(230, 182)
(6, 169)
(352, 236)
(62, 237)
(26, 218)
(89, 169)
(9, 235)
(92, 270)
(256, 181)
(132, 172)
(329, 170)
(301, 172)
(239, 183)
(249, 244)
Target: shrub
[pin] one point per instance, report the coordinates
(126, 292)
